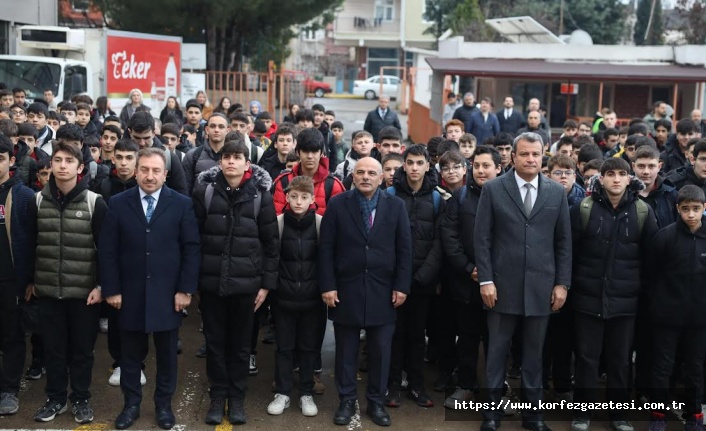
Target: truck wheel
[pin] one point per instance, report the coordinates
(370, 95)
(319, 92)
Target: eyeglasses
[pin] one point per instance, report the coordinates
(559, 173)
(454, 168)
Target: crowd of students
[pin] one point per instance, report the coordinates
(634, 197)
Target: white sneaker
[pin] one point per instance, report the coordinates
(114, 379)
(308, 406)
(277, 406)
(103, 325)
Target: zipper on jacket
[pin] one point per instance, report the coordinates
(61, 251)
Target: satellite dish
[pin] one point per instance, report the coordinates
(580, 37)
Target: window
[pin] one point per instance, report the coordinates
(384, 10)
(80, 5)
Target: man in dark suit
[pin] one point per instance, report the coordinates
(365, 272)
(380, 117)
(150, 259)
(522, 241)
(484, 124)
(509, 119)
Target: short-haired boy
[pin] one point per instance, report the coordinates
(342, 145)
(452, 166)
(296, 303)
(69, 110)
(390, 163)
(467, 146)
(389, 141)
(83, 119)
(676, 304)
(362, 146)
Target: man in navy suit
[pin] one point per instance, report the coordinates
(150, 259)
(365, 272)
(509, 119)
(484, 124)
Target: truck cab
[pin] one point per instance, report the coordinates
(48, 58)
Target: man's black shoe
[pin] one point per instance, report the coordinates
(346, 410)
(378, 414)
(165, 418)
(216, 411)
(236, 411)
(535, 426)
(127, 417)
(489, 425)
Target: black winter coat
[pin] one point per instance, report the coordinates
(426, 242)
(113, 185)
(608, 254)
(270, 162)
(464, 113)
(672, 158)
(685, 176)
(457, 239)
(239, 253)
(298, 287)
(677, 263)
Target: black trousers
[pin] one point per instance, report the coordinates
(408, 343)
(134, 348)
(644, 336)
(12, 339)
(69, 330)
(559, 350)
(501, 328)
(664, 352)
(448, 324)
(298, 332)
(227, 326)
(379, 342)
(472, 329)
(259, 316)
(114, 344)
(614, 337)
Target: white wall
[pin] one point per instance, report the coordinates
(422, 88)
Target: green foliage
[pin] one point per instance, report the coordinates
(232, 30)
(604, 20)
(649, 13)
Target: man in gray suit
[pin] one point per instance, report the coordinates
(523, 256)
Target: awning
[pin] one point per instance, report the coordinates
(563, 71)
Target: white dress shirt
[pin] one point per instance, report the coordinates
(533, 191)
(143, 201)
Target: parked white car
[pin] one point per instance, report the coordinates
(370, 88)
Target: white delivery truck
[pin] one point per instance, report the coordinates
(96, 61)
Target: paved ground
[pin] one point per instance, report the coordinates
(191, 399)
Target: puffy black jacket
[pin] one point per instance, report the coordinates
(270, 162)
(426, 241)
(685, 176)
(677, 293)
(663, 200)
(608, 254)
(298, 287)
(113, 185)
(239, 252)
(672, 158)
(457, 227)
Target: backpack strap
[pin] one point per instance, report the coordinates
(285, 182)
(38, 199)
(258, 204)
(93, 169)
(91, 199)
(168, 155)
(254, 155)
(208, 196)
(464, 192)
(642, 212)
(328, 187)
(318, 225)
(195, 160)
(585, 208)
(436, 196)
(280, 225)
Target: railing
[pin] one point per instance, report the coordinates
(354, 24)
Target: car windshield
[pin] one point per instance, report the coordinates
(32, 76)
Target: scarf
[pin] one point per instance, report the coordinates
(367, 206)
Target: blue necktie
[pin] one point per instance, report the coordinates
(150, 207)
